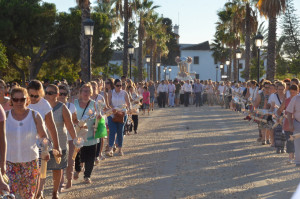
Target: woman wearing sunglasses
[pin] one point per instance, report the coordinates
(84, 106)
(117, 99)
(63, 122)
(38, 103)
(23, 125)
(63, 97)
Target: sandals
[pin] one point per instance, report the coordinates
(87, 180)
(109, 153)
(76, 175)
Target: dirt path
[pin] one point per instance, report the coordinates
(205, 152)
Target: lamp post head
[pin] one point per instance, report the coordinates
(88, 25)
(130, 49)
(227, 62)
(259, 40)
(148, 58)
(238, 53)
(170, 69)
(221, 66)
(158, 64)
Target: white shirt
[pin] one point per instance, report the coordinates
(165, 88)
(273, 98)
(118, 99)
(43, 107)
(160, 88)
(221, 89)
(21, 139)
(171, 88)
(187, 87)
(287, 94)
(253, 93)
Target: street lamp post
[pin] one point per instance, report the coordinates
(130, 51)
(148, 59)
(165, 71)
(258, 43)
(238, 54)
(88, 25)
(217, 73)
(158, 70)
(221, 67)
(170, 69)
(227, 63)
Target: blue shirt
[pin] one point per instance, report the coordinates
(198, 88)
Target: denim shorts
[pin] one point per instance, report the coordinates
(151, 99)
(145, 106)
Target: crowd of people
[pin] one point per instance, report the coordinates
(54, 110)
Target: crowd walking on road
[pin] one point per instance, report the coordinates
(73, 128)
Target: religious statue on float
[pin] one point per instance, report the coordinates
(184, 66)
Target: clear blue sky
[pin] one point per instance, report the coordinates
(197, 18)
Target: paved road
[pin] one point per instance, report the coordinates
(205, 152)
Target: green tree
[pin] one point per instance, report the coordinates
(3, 57)
(291, 31)
(271, 9)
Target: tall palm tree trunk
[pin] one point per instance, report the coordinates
(247, 42)
(125, 52)
(85, 72)
(235, 67)
(140, 55)
(271, 69)
(154, 66)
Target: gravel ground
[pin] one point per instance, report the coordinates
(205, 152)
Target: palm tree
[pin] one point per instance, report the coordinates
(271, 9)
(250, 28)
(84, 6)
(229, 28)
(143, 9)
(125, 13)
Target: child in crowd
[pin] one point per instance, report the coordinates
(146, 100)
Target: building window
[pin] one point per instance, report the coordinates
(196, 60)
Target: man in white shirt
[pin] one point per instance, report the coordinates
(171, 91)
(187, 89)
(161, 90)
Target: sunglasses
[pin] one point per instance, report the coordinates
(19, 99)
(118, 85)
(50, 93)
(34, 96)
(63, 94)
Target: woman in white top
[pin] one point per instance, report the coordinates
(38, 103)
(117, 99)
(3, 185)
(23, 125)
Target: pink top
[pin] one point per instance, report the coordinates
(286, 122)
(146, 97)
(6, 106)
(2, 114)
(294, 107)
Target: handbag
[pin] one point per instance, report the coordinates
(118, 117)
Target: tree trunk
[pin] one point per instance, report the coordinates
(151, 62)
(271, 69)
(247, 42)
(140, 55)
(235, 71)
(85, 71)
(125, 52)
(154, 66)
(22, 73)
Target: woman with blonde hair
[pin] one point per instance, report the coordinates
(84, 106)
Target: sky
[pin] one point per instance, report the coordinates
(196, 18)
